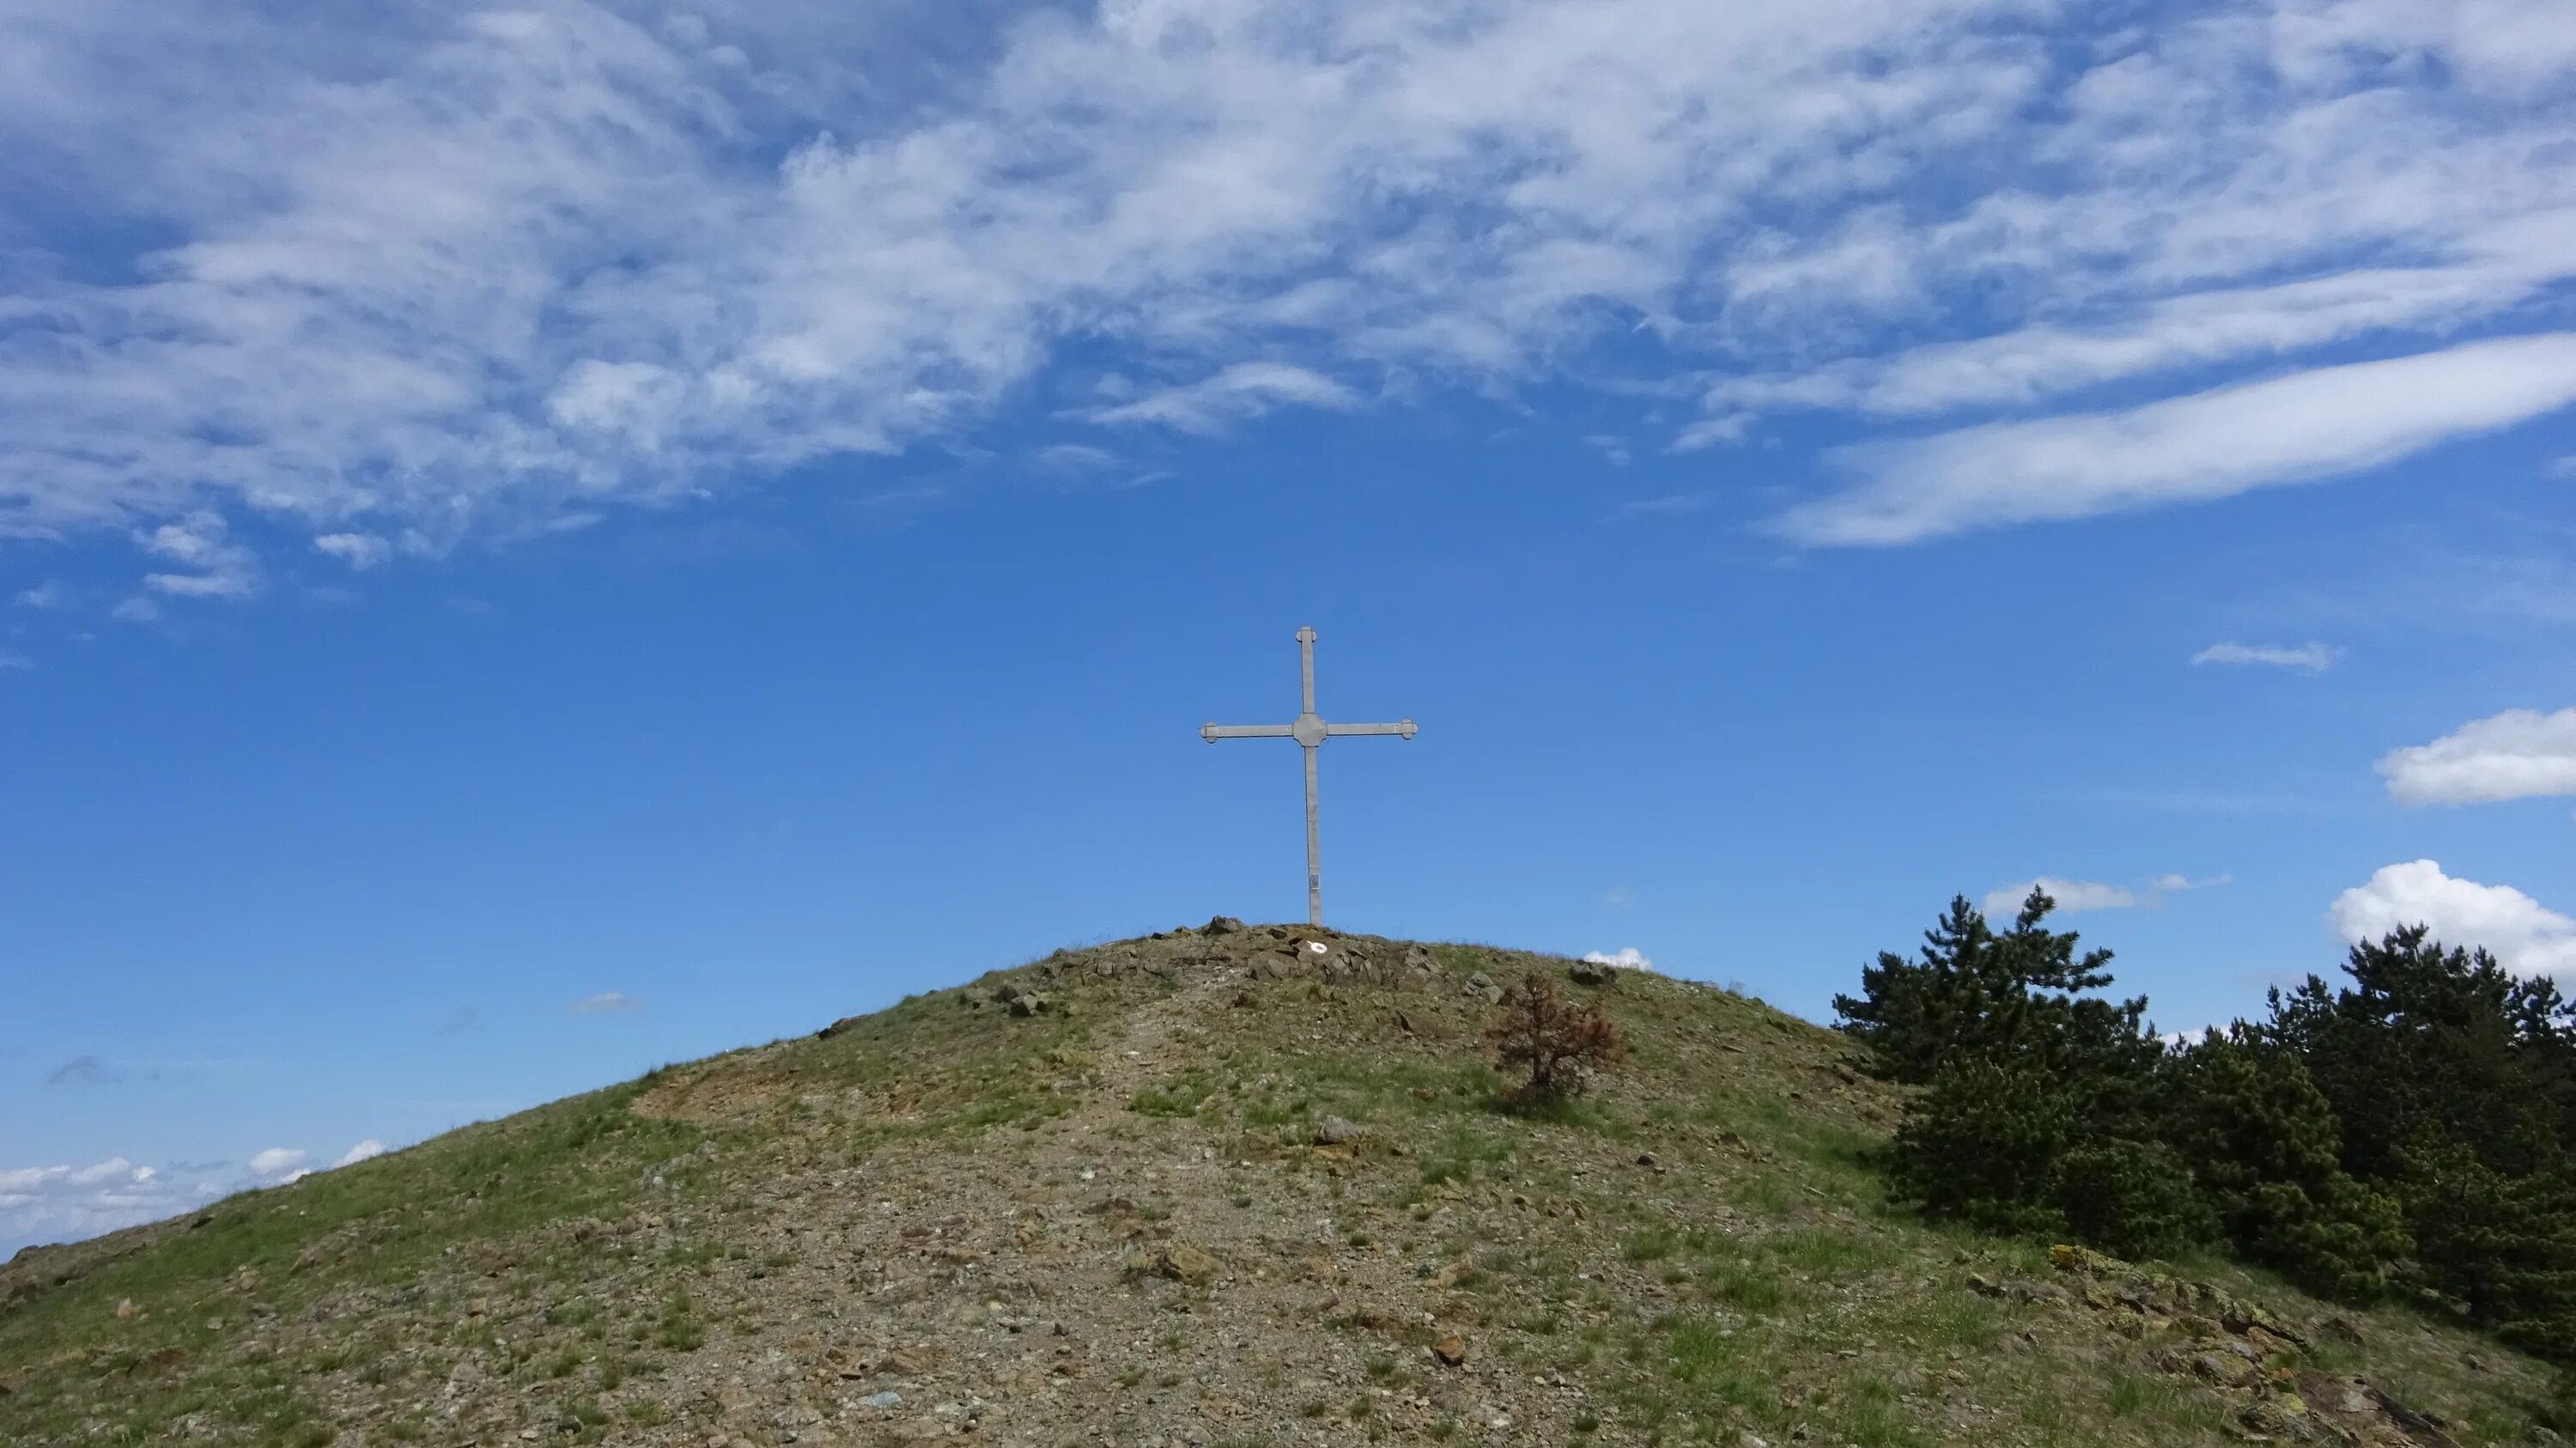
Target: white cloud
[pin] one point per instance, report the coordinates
(460, 269)
(2287, 429)
(2076, 895)
(137, 609)
(200, 542)
(2175, 884)
(1242, 391)
(2316, 658)
(2525, 936)
(1669, 505)
(606, 1003)
(363, 1151)
(2070, 895)
(278, 1165)
(2512, 755)
(360, 551)
(48, 594)
(1626, 958)
(66, 1203)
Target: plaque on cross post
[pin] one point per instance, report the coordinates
(1310, 732)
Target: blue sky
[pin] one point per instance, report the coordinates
(540, 541)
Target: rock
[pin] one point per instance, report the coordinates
(1030, 1003)
(2336, 1329)
(1592, 972)
(845, 1023)
(1222, 925)
(908, 1361)
(1450, 1350)
(1337, 1131)
(1984, 1286)
(125, 1307)
(1482, 986)
(1178, 1262)
(887, 1399)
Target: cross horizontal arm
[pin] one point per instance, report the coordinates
(1403, 730)
(1214, 732)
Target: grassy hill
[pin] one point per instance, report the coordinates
(1200, 1189)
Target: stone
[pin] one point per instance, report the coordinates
(1984, 1286)
(1222, 925)
(125, 1307)
(1030, 1003)
(887, 1399)
(1338, 1131)
(1592, 972)
(845, 1023)
(1450, 1350)
(1178, 1262)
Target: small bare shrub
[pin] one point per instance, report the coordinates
(1558, 1043)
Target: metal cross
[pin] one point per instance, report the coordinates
(1308, 731)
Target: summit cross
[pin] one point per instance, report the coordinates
(1310, 732)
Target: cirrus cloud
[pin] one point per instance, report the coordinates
(419, 272)
(2315, 658)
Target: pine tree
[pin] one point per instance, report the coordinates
(2266, 1149)
(2014, 997)
(2130, 1198)
(1982, 1146)
(2502, 1247)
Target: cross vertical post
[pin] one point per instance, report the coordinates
(1310, 731)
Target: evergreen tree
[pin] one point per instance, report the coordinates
(2016, 997)
(2266, 1150)
(2502, 1247)
(1982, 1146)
(2424, 1044)
(2130, 1198)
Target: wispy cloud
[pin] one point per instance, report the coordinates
(1667, 505)
(2072, 896)
(2077, 896)
(634, 263)
(2231, 440)
(2315, 658)
(2513, 755)
(360, 551)
(216, 567)
(606, 1003)
(1245, 390)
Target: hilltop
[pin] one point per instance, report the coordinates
(1226, 1186)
